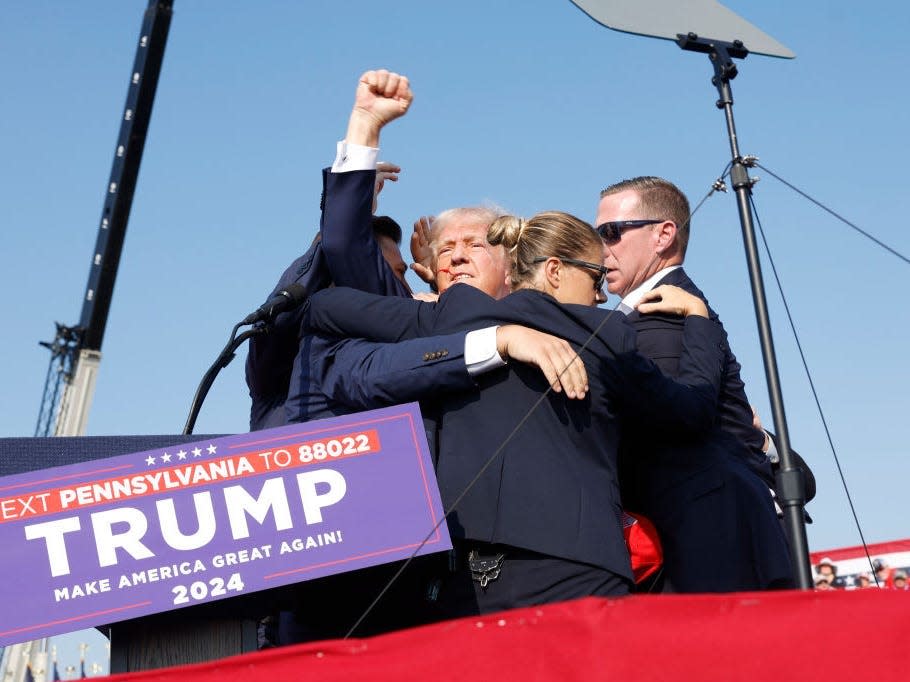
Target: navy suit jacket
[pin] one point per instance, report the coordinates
(346, 254)
(346, 375)
(660, 338)
(552, 486)
(708, 496)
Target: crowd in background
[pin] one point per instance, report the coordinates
(882, 576)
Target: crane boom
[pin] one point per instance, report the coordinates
(76, 351)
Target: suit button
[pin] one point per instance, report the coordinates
(426, 357)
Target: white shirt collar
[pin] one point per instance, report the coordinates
(631, 299)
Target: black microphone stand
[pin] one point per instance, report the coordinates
(789, 478)
(223, 360)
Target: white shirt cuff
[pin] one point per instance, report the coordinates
(354, 157)
(480, 354)
(772, 453)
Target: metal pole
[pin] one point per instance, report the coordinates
(790, 479)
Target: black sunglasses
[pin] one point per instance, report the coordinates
(600, 269)
(611, 232)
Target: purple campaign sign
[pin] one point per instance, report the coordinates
(114, 539)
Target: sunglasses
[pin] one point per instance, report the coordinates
(601, 270)
(611, 232)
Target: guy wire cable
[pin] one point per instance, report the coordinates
(717, 185)
(818, 405)
(835, 214)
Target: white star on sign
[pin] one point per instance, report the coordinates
(181, 454)
(150, 460)
(197, 452)
(212, 449)
(165, 457)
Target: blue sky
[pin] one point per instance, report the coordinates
(531, 105)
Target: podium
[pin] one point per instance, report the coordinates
(192, 635)
(333, 504)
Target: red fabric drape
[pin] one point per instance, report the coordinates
(779, 636)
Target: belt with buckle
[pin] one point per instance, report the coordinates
(485, 569)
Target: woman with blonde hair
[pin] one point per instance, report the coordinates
(529, 475)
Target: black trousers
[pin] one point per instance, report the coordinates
(525, 578)
(329, 607)
(440, 587)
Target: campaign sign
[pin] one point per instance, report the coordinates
(113, 539)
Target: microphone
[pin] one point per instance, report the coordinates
(288, 298)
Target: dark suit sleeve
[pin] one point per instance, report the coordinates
(689, 403)
(353, 256)
(365, 375)
(346, 254)
(660, 339)
(735, 412)
(345, 312)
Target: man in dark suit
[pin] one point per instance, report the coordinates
(709, 497)
(353, 248)
(545, 511)
(271, 356)
(353, 252)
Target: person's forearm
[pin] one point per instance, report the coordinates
(363, 128)
(688, 403)
(356, 314)
(366, 375)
